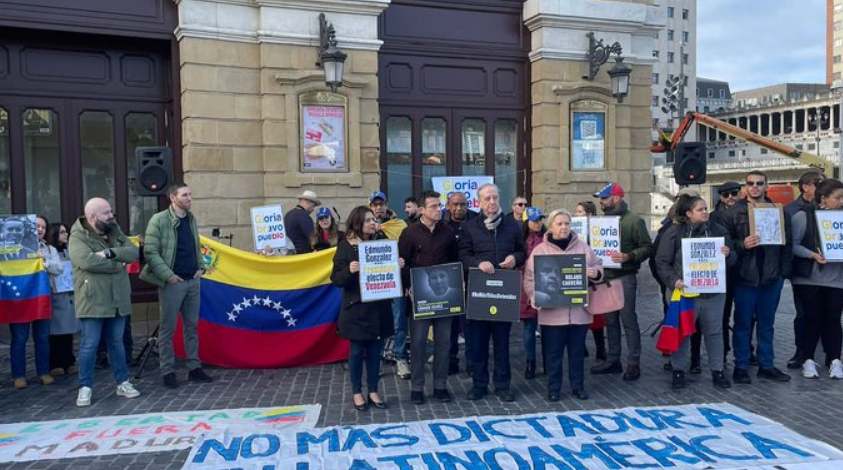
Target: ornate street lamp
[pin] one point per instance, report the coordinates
(598, 54)
(331, 58)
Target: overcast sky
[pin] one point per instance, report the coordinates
(754, 43)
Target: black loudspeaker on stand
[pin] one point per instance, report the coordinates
(154, 170)
(151, 344)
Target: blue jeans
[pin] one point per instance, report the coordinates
(41, 340)
(399, 307)
(368, 353)
(92, 329)
(498, 332)
(557, 339)
(761, 303)
(530, 325)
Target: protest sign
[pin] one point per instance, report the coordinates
(438, 291)
(703, 265)
(468, 185)
(767, 222)
(64, 281)
(711, 436)
(268, 227)
(605, 238)
(561, 281)
(494, 297)
(132, 434)
(579, 225)
(380, 275)
(830, 226)
(18, 237)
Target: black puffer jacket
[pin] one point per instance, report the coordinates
(358, 321)
(669, 254)
(778, 259)
(478, 244)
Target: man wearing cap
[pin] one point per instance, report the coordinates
(389, 226)
(729, 193)
(298, 224)
(636, 247)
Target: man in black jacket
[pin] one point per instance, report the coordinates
(489, 242)
(456, 215)
(729, 193)
(298, 224)
(759, 276)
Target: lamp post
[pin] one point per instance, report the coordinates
(331, 58)
(838, 89)
(598, 54)
(818, 119)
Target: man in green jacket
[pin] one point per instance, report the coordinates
(175, 264)
(98, 252)
(636, 247)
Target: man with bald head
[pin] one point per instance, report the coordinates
(99, 251)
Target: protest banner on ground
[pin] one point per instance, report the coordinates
(268, 227)
(494, 297)
(561, 281)
(438, 291)
(830, 226)
(579, 225)
(605, 238)
(468, 185)
(132, 434)
(711, 436)
(703, 265)
(380, 275)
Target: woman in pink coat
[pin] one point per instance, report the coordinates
(566, 327)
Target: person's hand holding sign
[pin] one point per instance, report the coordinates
(508, 262)
(751, 242)
(354, 267)
(725, 250)
(487, 267)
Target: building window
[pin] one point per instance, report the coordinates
(837, 59)
(812, 146)
(698, 91)
(722, 93)
(670, 57)
(685, 13)
(798, 146)
(838, 8)
(836, 75)
(670, 35)
(685, 59)
(655, 101)
(764, 151)
(656, 78)
(709, 93)
(655, 53)
(731, 153)
(670, 12)
(837, 25)
(686, 103)
(710, 154)
(685, 36)
(656, 35)
(838, 42)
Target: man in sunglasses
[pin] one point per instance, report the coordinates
(760, 274)
(519, 205)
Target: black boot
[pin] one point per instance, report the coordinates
(600, 344)
(530, 372)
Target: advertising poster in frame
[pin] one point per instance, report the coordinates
(323, 132)
(767, 222)
(438, 291)
(588, 135)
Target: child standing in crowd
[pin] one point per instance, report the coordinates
(63, 325)
(598, 326)
(534, 231)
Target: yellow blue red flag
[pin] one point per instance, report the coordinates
(25, 293)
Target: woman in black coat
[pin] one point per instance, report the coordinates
(366, 325)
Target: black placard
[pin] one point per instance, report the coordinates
(561, 281)
(494, 297)
(438, 291)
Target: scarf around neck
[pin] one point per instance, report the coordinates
(493, 221)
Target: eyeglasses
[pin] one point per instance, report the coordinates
(520, 204)
(730, 194)
(756, 183)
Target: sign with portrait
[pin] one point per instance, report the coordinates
(605, 238)
(268, 227)
(494, 297)
(18, 237)
(380, 274)
(767, 222)
(703, 265)
(468, 185)
(561, 281)
(579, 225)
(323, 126)
(830, 231)
(438, 291)
(64, 281)
(588, 135)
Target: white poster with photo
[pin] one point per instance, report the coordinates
(380, 274)
(64, 281)
(268, 227)
(605, 238)
(767, 222)
(579, 225)
(468, 185)
(703, 265)
(830, 227)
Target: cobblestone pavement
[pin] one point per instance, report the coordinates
(809, 407)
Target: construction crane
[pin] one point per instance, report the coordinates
(668, 142)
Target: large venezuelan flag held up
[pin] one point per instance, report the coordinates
(25, 293)
(259, 312)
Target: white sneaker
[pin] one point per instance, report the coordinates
(836, 369)
(460, 340)
(402, 369)
(84, 397)
(430, 359)
(809, 369)
(127, 390)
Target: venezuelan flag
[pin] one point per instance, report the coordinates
(679, 322)
(259, 312)
(25, 293)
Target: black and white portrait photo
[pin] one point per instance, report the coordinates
(438, 290)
